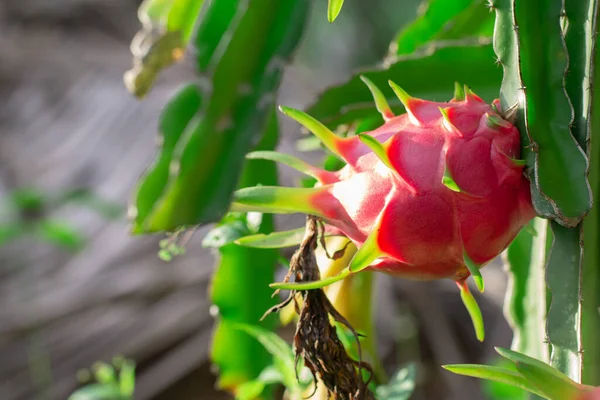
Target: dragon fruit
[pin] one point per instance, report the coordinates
(434, 193)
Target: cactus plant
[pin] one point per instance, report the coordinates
(478, 171)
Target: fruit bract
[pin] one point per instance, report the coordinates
(434, 193)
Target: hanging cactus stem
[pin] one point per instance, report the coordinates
(472, 308)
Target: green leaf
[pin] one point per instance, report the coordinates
(104, 373)
(333, 9)
(501, 391)
(443, 20)
(127, 378)
(273, 240)
(401, 386)
(250, 390)
(464, 61)
(97, 392)
(475, 20)
(553, 382)
(496, 374)
(10, 232)
(434, 16)
(211, 156)
(28, 199)
(92, 201)
(283, 355)
(60, 234)
(225, 234)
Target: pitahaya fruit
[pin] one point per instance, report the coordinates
(590, 394)
(434, 193)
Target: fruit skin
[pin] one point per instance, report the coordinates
(423, 226)
(593, 394)
(428, 188)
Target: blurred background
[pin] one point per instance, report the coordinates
(76, 288)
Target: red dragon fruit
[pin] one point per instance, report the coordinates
(434, 193)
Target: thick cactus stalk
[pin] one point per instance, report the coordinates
(546, 49)
(590, 277)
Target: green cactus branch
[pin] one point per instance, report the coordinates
(531, 44)
(240, 81)
(590, 277)
(525, 304)
(558, 165)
